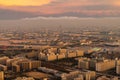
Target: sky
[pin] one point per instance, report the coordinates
(15, 9)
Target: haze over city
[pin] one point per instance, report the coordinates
(66, 23)
(81, 14)
(59, 39)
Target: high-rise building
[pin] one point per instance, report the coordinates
(118, 69)
(1, 75)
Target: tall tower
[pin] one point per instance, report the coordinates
(1, 75)
(60, 29)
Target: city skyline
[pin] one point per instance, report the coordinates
(59, 39)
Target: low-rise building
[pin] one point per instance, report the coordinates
(3, 60)
(106, 65)
(79, 75)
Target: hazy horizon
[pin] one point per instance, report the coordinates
(51, 14)
(65, 23)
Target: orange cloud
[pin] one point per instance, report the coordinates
(24, 2)
(88, 7)
(116, 3)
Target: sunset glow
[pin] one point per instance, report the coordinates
(23, 2)
(64, 7)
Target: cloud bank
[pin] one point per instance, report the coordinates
(88, 8)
